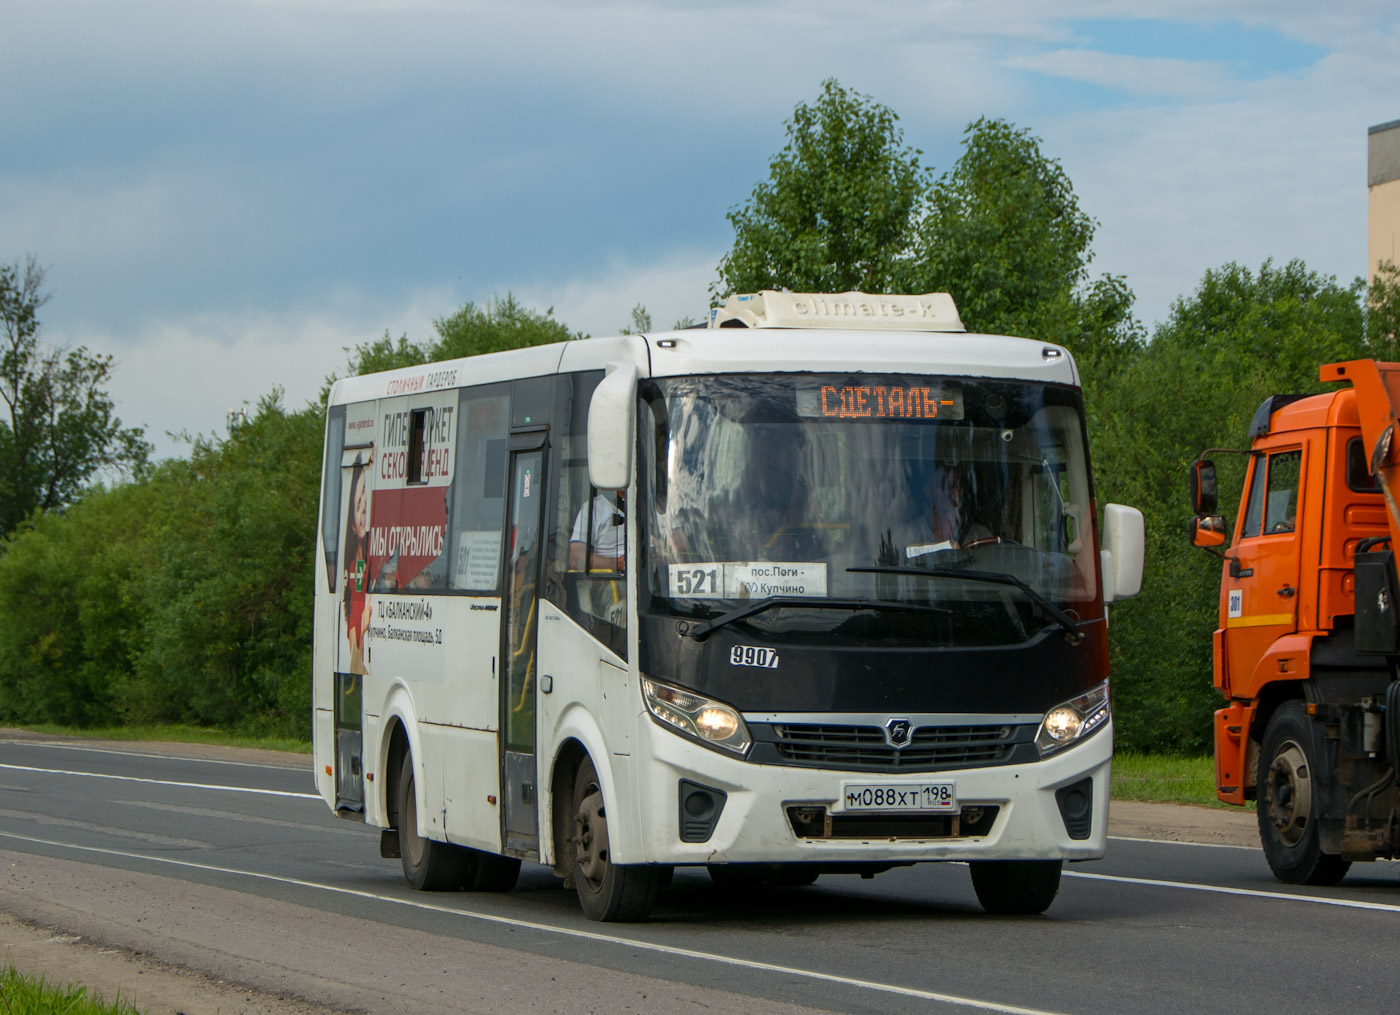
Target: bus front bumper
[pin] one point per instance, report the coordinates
(1055, 808)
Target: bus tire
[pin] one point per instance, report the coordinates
(428, 866)
(491, 872)
(1015, 887)
(608, 892)
(1287, 803)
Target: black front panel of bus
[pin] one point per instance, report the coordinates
(816, 675)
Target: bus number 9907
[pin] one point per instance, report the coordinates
(748, 655)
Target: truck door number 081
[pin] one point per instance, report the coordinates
(747, 655)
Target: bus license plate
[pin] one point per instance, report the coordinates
(938, 797)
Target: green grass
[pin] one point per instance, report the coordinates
(1160, 778)
(28, 995)
(175, 734)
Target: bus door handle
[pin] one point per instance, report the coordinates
(1287, 591)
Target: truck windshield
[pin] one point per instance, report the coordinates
(839, 491)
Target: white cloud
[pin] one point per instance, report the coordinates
(1185, 79)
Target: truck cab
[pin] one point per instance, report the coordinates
(1300, 732)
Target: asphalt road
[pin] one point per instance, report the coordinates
(236, 868)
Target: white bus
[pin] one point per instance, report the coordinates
(817, 589)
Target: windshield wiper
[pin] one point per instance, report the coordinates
(1052, 611)
(702, 631)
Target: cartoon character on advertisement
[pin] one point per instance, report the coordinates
(356, 597)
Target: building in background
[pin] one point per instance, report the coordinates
(1383, 189)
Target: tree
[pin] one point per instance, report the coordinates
(59, 428)
(848, 206)
(502, 324)
(839, 208)
(1005, 236)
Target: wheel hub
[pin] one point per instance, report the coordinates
(591, 837)
(1288, 793)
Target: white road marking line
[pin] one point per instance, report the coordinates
(164, 782)
(1253, 893)
(631, 943)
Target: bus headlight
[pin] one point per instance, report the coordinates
(1073, 720)
(711, 722)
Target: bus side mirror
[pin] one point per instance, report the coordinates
(1203, 496)
(1208, 531)
(611, 428)
(1120, 560)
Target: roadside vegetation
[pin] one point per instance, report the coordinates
(29, 995)
(180, 594)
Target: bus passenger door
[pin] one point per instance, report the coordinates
(352, 617)
(520, 832)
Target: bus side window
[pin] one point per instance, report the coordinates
(330, 492)
(584, 563)
(479, 488)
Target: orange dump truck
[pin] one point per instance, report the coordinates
(1307, 648)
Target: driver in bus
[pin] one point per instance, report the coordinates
(952, 522)
(607, 543)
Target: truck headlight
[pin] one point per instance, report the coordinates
(1073, 720)
(711, 722)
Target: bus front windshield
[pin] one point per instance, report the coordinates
(893, 506)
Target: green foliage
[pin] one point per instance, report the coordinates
(641, 322)
(29, 995)
(59, 428)
(839, 209)
(1005, 236)
(847, 206)
(227, 604)
(503, 324)
(385, 354)
(1383, 312)
(1241, 337)
(185, 597)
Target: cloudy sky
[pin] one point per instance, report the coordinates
(227, 193)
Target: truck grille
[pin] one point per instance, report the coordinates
(846, 747)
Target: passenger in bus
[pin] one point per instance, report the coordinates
(606, 546)
(355, 597)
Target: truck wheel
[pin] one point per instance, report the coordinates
(607, 891)
(1287, 810)
(1015, 887)
(428, 866)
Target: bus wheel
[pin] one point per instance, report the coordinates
(1287, 808)
(428, 866)
(607, 891)
(493, 873)
(1015, 887)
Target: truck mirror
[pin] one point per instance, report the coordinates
(1208, 531)
(611, 425)
(1203, 497)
